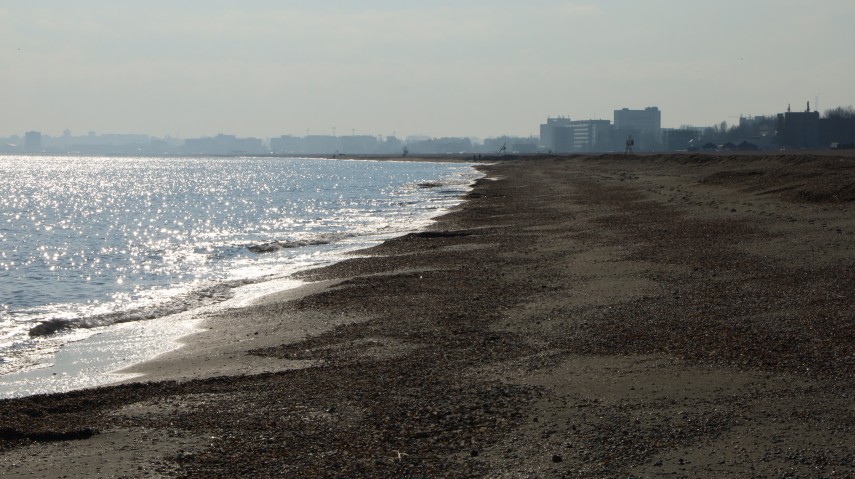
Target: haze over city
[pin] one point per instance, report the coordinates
(437, 68)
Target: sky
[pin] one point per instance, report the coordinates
(478, 68)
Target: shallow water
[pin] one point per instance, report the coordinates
(90, 242)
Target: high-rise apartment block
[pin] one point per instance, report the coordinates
(648, 120)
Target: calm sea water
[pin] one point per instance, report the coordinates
(90, 242)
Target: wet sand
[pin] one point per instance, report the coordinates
(608, 316)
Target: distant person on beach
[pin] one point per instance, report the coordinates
(629, 144)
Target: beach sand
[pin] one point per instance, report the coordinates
(590, 316)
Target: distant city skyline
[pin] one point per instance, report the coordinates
(632, 129)
(335, 132)
(474, 68)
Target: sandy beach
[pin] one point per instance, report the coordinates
(593, 316)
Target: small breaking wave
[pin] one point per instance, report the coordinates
(277, 245)
(206, 296)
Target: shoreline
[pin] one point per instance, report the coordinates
(597, 316)
(84, 352)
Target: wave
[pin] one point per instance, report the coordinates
(277, 245)
(274, 246)
(206, 296)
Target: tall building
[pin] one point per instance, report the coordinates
(563, 135)
(555, 135)
(590, 135)
(648, 120)
(33, 141)
(645, 126)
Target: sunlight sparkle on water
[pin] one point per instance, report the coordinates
(87, 238)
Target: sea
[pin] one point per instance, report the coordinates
(107, 261)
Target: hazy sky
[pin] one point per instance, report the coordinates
(463, 68)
